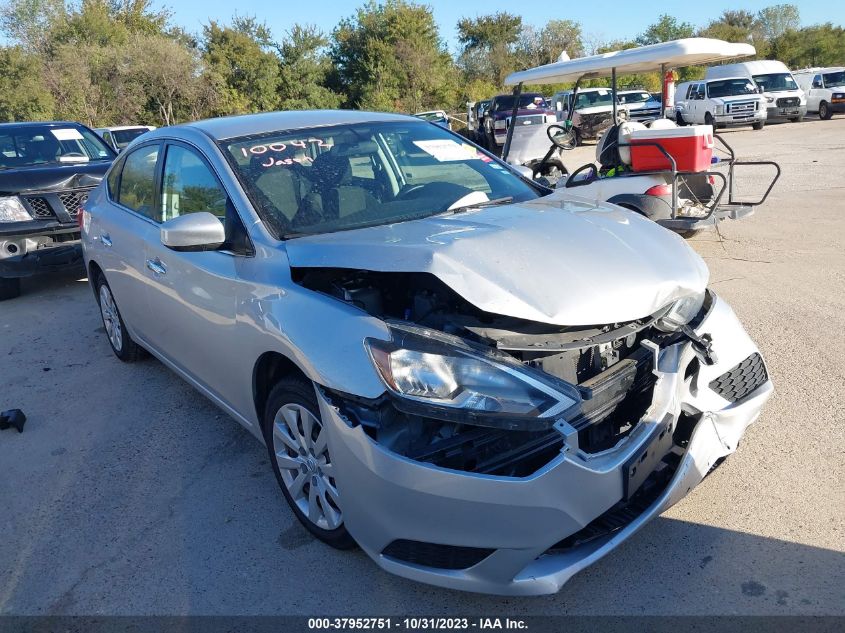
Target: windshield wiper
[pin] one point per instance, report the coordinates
(479, 205)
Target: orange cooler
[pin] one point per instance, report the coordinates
(691, 147)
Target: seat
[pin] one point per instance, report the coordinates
(280, 184)
(338, 196)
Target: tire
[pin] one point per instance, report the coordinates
(9, 288)
(708, 120)
(121, 343)
(679, 118)
(824, 111)
(797, 119)
(300, 459)
(689, 234)
(759, 125)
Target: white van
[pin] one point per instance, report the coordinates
(825, 88)
(720, 103)
(784, 99)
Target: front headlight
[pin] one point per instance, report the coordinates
(442, 376)
(11, 210)
(681, 312)
(719, 109)
(770, 99)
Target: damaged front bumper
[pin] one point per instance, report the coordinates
(28, 248)
(529, 535)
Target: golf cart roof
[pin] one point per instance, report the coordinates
(691, 51)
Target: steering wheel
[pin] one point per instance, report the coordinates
(407, 190)
(563, 136)
(591, 171)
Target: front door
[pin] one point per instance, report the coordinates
(193, 296)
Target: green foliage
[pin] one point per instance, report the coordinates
(389, 57)
(240, 56)
(111, 62)
(665, 29)
(23, 97)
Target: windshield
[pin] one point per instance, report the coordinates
(122, 138)
(731, 88)
(634, 97)
(593, 99)
(431, 116)
(38, 145)
(776, 81)
(528, 100)
(329, 179)
(834, 79)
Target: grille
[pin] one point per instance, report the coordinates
(530, 119)
(742, 106)
(40, 207)
(787, 102)
(72, 199)
(741, 380)
(434, 555)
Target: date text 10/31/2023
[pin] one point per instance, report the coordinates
(418, 624)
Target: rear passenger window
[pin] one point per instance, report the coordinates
(189, 186)
(137, 180)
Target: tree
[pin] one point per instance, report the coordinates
(390, 57)
(240, 56)
(665, 29)
(304, 71)
(489, 44)
(29, 22)
(776, 20)
(732, 26)
(544, 46)
(819, 45)
(23, 96)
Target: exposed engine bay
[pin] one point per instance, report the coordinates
(607, 363)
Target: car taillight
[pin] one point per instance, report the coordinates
(711, 180)
(659, 190)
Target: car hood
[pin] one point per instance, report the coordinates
(52, 177)
(556, 260)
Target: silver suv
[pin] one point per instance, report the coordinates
(484, 384)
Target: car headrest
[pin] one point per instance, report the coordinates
(330, 168)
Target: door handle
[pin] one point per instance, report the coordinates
(105, 239)
(157, 266)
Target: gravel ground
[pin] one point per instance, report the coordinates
(128, 493)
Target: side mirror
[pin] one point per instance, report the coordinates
(193, 232)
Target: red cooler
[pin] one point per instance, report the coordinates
(691, 147)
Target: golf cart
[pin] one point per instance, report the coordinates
(681, 177)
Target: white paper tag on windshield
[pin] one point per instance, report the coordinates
(445, 150)
(67, 134)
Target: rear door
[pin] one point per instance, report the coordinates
(120, 228)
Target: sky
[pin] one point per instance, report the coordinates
(601, 21)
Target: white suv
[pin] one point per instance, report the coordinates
(825, 88)
(720, 103)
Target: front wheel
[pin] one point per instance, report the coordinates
(708, 120)
(759, 125)
(10, 288)
(797, 119)
(299, 453)
(824, 111)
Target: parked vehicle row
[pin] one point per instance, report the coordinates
(825, 89)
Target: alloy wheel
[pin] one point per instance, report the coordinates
(299, 444)
(111, 318)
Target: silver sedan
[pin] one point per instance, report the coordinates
(484, 384)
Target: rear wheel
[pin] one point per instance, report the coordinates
(759, 125)
(300, 457)
(824, 111)
(121, 343)
(9, 288)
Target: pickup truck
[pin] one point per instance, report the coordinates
(532, 110)
(46, 173)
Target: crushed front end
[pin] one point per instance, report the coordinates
(498, 499)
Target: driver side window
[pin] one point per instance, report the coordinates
(188, 186)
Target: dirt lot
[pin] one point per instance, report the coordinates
(128, 493)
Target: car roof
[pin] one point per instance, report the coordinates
(266, 122)
(118, 128)
(13, 124)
